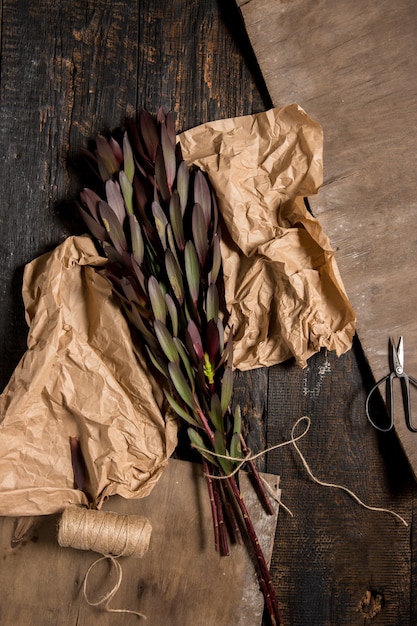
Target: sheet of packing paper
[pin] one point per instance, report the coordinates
(283, 286)
(81, 375)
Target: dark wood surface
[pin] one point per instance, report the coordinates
(72, 69)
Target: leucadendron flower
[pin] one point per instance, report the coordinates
(157, 222)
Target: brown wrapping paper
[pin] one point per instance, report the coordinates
(283, 288)
(79, 377)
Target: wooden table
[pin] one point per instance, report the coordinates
(72, 69)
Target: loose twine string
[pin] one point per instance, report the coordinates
(293, 441)
(112, 535)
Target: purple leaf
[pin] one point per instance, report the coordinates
(115, 200)
(213, 341)
(106, 159)
(113, 227)
(149, 133)
(196, 341)
(96, 229)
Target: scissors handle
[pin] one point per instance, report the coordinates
(407, 403)
(368, 399)
(405, 383)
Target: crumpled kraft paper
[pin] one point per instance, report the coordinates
(283, 287)
(79, 377)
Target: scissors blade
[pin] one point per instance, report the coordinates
(398, 356)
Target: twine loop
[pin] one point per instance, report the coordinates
(112, 535)
(293, 441)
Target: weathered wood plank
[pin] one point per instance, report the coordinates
(70, 70)
(66, 75)
(353, 68)
(180, 580)
(339, 550)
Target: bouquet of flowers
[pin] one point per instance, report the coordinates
(156, 220)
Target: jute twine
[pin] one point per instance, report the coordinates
(293, 442)
(110, 534)
(104, 532)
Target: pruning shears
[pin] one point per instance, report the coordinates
(396, 372)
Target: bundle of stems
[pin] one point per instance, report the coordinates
(157, 222)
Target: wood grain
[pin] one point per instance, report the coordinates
(353, 68)
(179, 580)
(70, 70)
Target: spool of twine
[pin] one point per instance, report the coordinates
(104, 531)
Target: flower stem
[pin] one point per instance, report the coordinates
(213, 505)
(259, 486)
(268, 590)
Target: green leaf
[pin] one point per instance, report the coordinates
(216, 412)
(226, 352)
(137, 321)
(168, 151)
(157, 299)
(197, 440)
(158, 363)
(192, 270)
(227, 389)
(180, 411)
(202, 196)
(171, 243)
(186, 361)
(138, 273)
(129, 291)
(183, 184)
(160, 222)
(174, 275)
(212, 303)
(199, 234)
(237, 420)
(209, 369)
(161, 176)
(235, 446)
(175, 217)
(127, 191)
(128, 162)
(111, 253)
(138, 247)
(217, 259)
(166, 341)
(173, 313)
(180, 384)
(220, 448)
